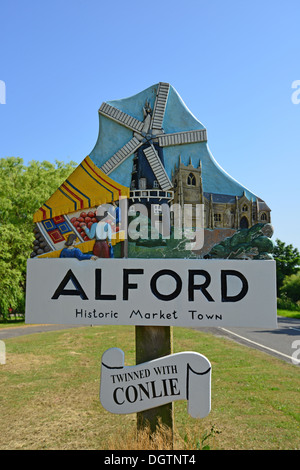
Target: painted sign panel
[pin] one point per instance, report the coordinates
(162, 292)
(181, 376)
(152, 151)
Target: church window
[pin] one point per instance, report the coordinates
(191, 180)
(244, 208)
(263, 216)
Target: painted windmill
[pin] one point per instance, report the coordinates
(154, 131)
(149, 132)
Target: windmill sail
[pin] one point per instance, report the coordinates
(160, 106)
(178, 138)
(120, 117)
(121, 155)
(157, 168)
(146, 131)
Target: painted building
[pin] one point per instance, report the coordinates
(220, 210)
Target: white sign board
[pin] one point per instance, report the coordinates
(159, 292)
(181, 376)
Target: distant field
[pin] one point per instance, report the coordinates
(49, 395)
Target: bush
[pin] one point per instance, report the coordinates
(287, 262)
(291, 287)
(284, 303)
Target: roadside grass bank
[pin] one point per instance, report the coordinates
(49, 395)
(288, 313)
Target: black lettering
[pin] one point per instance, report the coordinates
(243, 292)
(135, 394)
(126, 284)
(136, 313)
(115, 396)
(173, 386)
(98, 281)
(70, 276)
(154, 395)
(166, 272)
(202, 287)
(164, 382)
(145, 390)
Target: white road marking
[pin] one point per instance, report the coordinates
(262, 346)
(292, 328)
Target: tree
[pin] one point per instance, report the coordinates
(23, 190)
(287, 261)
(291, 287)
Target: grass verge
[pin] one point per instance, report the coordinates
(49, 395)
(288, 313)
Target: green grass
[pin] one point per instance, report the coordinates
(288, 313)
(49, 394)
(11, 323)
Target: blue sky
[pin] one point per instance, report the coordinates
(233, 63)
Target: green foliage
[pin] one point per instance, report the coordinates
(291, 287)
(200, 443)
(23, 190)
(287, 261)
(285, 304)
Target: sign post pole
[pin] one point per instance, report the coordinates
(153, 342)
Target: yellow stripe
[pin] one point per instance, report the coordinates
(86, 182)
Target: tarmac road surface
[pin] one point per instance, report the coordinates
(13, 331)
(283, 342)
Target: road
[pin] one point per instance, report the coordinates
(14, 331)
(283, 342)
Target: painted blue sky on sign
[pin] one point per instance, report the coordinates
(177, 118)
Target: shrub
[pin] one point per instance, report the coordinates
(291, 287)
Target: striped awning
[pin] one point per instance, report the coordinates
(86, 187)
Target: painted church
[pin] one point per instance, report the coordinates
(220, 210)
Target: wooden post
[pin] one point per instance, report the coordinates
(151, 343)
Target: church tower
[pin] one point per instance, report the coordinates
(188, 188)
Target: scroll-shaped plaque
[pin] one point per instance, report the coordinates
(131, 389)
